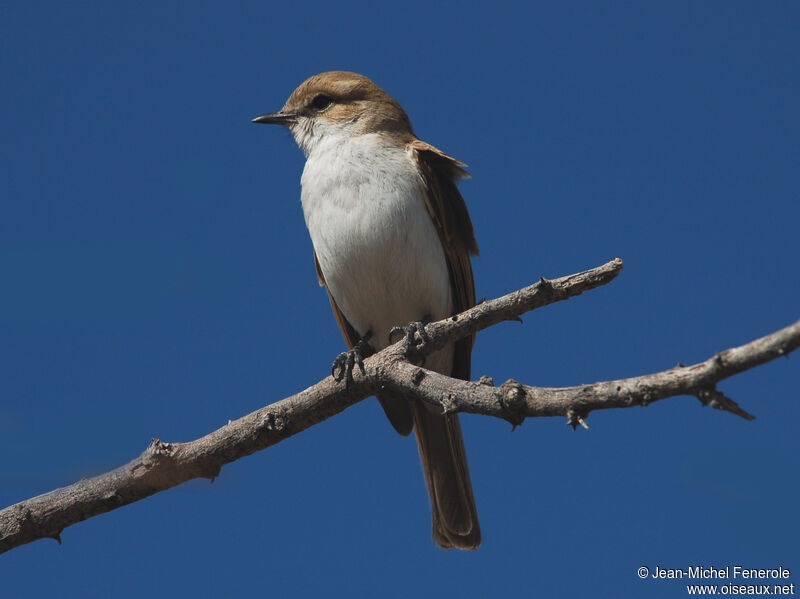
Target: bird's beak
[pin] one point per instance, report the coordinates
(276, 118)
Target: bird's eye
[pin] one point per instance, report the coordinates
(321, 102)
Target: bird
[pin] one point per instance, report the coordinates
(392, 241)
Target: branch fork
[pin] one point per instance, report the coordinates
(164, 465)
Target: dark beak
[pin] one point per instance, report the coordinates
(276, 118)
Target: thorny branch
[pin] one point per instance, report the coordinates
(164, 465)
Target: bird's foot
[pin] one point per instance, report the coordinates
(347, 360)
(413, 331)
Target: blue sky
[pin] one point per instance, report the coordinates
(157, 281)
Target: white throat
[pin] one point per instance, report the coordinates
(310, 133)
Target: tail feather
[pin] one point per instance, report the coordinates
(441, 450)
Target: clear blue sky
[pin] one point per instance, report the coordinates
(156, 280)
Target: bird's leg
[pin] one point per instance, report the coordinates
(411, 346)
(347, 360)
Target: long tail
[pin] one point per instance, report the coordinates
(441, 449)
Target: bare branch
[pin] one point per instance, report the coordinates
(514, 401)
(165, 465)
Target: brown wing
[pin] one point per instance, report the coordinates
(440, 173)
(441, 446)
(348, 332)
(397, 410)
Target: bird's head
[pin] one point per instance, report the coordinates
(338, 104)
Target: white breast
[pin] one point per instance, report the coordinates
(375, 241)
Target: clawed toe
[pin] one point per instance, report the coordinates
(347, 360)
(411, 346)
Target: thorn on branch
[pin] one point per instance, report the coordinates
(57, 536)
(512, 398)
(158, 448)
(574, 418)
(448, 405)
(719, 401)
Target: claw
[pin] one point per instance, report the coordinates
(347, 360)
(411, 347)
(341, 363)
(423, 334)
(395, 331)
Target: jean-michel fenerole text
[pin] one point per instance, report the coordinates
(727, 572)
